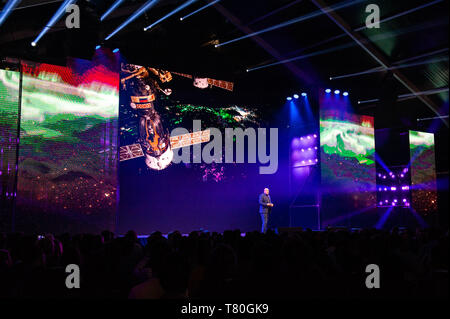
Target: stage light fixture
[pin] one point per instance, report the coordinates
(115, 50)
(289, 98)
(58, 14)
(7, 9)
(296, 96)
(198, 10)
(304, 94)
(97, 47)
(184, 5)
(111, 9)
(146, 6)
(33, 44)
(337, 92)
(345, 94)
(328, 91)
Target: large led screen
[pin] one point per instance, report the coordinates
(68, 148)
(161, 192)
(423, 172)
(347, 146)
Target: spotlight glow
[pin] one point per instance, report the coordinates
(115, 50)
(328, 91)
(184, 5)
(58, 14)
(146, 6)
(97, 47)
(198, 10)
(345, 94)
(289, 98)
(296, 96)
(304, 94)
(337, 92)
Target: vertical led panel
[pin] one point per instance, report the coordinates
(68, 148)
(348, 172)
(423, 172)
(9, 108)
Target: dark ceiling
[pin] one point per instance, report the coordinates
(415, 28)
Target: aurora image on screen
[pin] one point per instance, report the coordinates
(347, 165)
(68, 147)
(423, 172)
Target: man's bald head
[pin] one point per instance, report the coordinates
(266, 191)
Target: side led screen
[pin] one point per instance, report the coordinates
(423, 172)
(68, 148)
(347, 146)
(9, 107)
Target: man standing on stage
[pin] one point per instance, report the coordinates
(265, 206)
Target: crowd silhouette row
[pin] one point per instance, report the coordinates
(302, 264)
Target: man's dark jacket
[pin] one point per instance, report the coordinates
(263, 201)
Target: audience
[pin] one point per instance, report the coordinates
(326, 264)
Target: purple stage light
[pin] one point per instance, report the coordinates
(404, 200)
(393, 188)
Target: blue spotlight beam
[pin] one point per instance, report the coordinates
(58, 14)
(401, 14)
(314, 14)
(375, 54)
(146, 6)
(9, 7)
(184, 5)
(111, 9)
(198, 10)
(380, 69)
(377, 37)
(271, 13)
